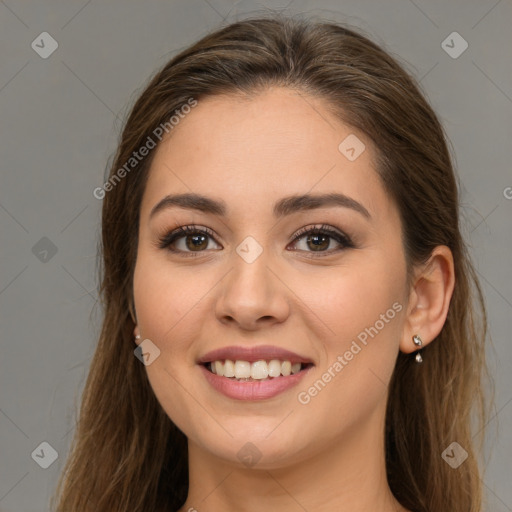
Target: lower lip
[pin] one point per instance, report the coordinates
(253, 390)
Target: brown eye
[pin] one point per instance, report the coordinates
(186, 239)
(194, 242)
(319, 240)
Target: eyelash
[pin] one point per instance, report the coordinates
(166, 240)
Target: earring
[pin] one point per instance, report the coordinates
(137, 337)
(417, 341)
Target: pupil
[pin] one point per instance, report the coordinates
(195, 238)
(316, 237)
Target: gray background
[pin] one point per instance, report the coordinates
(60, 121)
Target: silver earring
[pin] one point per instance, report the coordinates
(417, 341)
(137, 337)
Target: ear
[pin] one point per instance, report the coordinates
(429, 299)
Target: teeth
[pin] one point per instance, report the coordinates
(242, 369)
(258, 370)
(229, 368)
(274, 368)
(295, 367)
(219, 368)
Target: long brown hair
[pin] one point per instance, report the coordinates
(126, 454)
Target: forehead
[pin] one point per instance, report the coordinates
(253, 150)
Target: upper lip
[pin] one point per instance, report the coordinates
(251, 354)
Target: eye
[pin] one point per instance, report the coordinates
(192, 238)
(318, 239)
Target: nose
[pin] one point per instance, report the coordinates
(252, 296)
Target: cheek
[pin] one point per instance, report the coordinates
(349, 299)
(364, 312)
(164, 298)
(169, 308)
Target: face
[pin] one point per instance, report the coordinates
(255, 278)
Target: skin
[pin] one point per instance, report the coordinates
(327, 454)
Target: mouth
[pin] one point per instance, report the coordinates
(258, 379)
(253, 373)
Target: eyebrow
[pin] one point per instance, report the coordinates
(283, 207)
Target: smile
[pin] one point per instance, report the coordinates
(254, 385)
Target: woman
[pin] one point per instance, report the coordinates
(292, 321)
